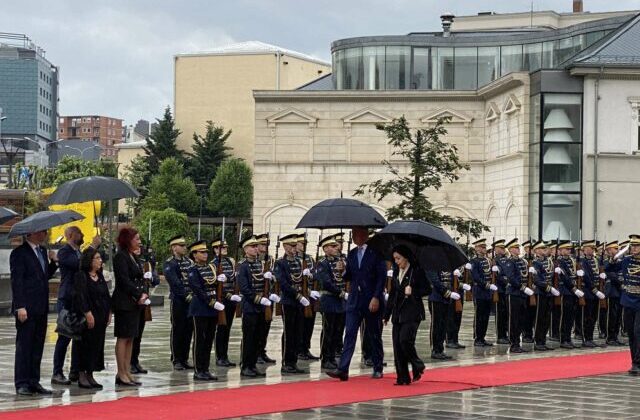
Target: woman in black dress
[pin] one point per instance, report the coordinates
(91, 298)
(128, 301)
(406, 310)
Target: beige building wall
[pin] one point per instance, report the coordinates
(126, 153)
(219, 87)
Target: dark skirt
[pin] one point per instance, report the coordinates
(91, 353)
(126, 324)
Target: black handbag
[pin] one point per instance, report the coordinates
(70, 324)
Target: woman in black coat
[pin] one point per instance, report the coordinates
(406, 310)
(91, 298)
(128, 301)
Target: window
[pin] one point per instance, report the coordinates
(397, 67)
(532, 56)
(420, 69)
(488, 64)
(510, 59)
(466, 71)
(442, 69)
(549, 54)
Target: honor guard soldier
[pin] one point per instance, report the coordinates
(440, 299)
(630, 300)
(530, 314)
(480, 267)
(569, 293)
(556, 307)
(503, 263)
(590, 280)
(204, 308)
(543, 270)
(267, 265)
(251, 279)
(289, 274)
(304, 352)
(613, 288)
(518, 293)
(223, 263)
(624, 250)
(454, 317)
(176, 270)
(332, 300)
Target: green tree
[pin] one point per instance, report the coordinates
(180, 191)
(161, 144)
(208, 153)
(155, 202)
(73, 167)
(138, 174)
(164, 225)
(431, 163)
(231, 192)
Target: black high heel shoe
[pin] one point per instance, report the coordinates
(123, 383)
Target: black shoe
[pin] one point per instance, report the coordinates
(211, 376)
(203, 376)
(402, 383)
(589, 344)
(338, 374)
(310, 356)
(377, 375)
(123, 383)
(453, 346)
(179, 366)
(93, 383)
(516, 349)
(503, 341)
(224, 363)
(260, 360)
(60, 379)
(540, 347)
(85, 385)
(267, 359)
(635, 370)
(567, 345)
(418, 374)
(329, 365)
(440, 356)
(25, 391)
(248, 373)
(487, 343)
(73, 376)
(258, 373)
(291, 369)
(527, 340)
(136, 369)
(302, 356)
(38, 389)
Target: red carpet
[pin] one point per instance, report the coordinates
(261, 399)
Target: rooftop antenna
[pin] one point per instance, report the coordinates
(531, 15)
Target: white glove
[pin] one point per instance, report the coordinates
(468, 266)
(495, 269)
(268, 275)
(528, 291)
(555, 291)
(148, 275)
(222, 278)
(390, 273)
(600, 295)
(558, 270)
(386, 297)
(493, 287)
(275, 298)
(314, 294)
(532, 270)
(218, 306)
(306, 272)
(265, 302)
(603, 276)
(455, 296)
(466, 287)
(304, 301)
(457, 272)
(235, 298)
(147, 301)
(346, 296)
(580, 273)
(579, 293)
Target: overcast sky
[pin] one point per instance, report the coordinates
(115, 56)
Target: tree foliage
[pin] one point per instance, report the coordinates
(431, 163)
(164, 225)
(73, 167)
(180, 191)
(138, 174)
(208, 154)
(161, 144)
(231, 192)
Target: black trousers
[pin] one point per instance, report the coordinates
(262, 340)
(181, 331)
(543, 319)
(578, 324)
(438, 311)
(404, 350)
(30, 336)
(91, 349)
(481, 319)
(556, 314)
(614, 314)
(253, 326)
(204, 332)
(502, 316)
(454, 321)
(567, 315)
(517, 311)
(60, 350)
(589, 316)
(529, 320)
(307, 332)
(331, 337)
(135, 351)
(293, 320)
(632, 325)
(602, 320)
(224, 331)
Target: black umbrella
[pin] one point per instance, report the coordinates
(6, 214)
(92, 188)
(433, 248)
(341, 213)
(44, 220)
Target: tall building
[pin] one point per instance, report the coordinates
(28, 98)
(100, 132)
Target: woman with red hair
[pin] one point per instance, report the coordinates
(128, 300)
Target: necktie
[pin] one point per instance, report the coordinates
(360, 255)
(41, 259)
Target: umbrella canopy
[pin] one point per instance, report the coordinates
(338, 213)
(432, 247)
(92, 188)
(6, 214)
(44, 220)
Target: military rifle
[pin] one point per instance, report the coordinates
(468, 296)
(455, 287)
(347, 285)
(236, 288)
(277, 285)
(581, 301)
(603, 302)
(557, 300)
(308, 310)
(268, 311)
(494, 296)
(222, 316)
(532, 298)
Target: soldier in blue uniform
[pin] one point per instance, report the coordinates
(556, 306)
(569, 292)
(267, 265)
(204, 308)
(454, 319)
(503, 264)
(590, 280)
(530, 313)
(515, 270)
(480, 267)
(543, 270)
(630, 300)
(176, 270)
(289, 274)
(228, 267)
(332, 300)
(304, 353)
(251, 278)
(440, 299)
(613, 288)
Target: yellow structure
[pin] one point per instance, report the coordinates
(218, 85)
(87, 225)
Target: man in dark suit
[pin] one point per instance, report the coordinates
(31, 269)
(366, 272)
